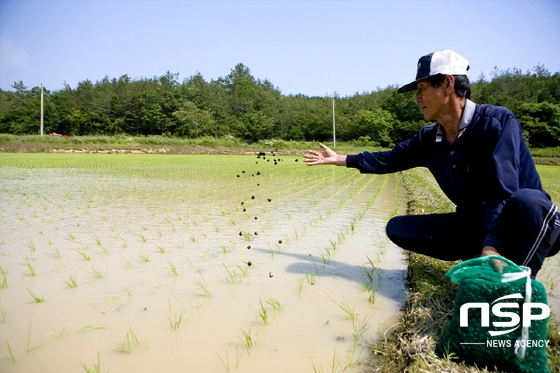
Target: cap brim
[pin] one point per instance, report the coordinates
(409, 87)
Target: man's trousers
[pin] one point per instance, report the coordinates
(528, 232)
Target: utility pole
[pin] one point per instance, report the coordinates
(41, 110)
(333, 123)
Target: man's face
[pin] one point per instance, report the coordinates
(430, 100)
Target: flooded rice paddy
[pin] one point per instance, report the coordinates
(160, 263)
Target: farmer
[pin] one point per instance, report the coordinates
(479, 159)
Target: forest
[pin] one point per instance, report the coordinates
(242, 106)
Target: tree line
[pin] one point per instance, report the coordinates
(252, 109)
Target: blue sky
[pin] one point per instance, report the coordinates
(312, 47)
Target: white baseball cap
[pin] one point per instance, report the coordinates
(446, 62)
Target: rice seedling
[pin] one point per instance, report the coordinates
(371, 280)
(97, 240)
(105, 249)
(118, 299)
(224, 248)
(202, 286)
(96, 368)
(175, 320)
(130, 342)
(3, 277)
(30, 268)
(381, 250)
(275, 303)
(124, 243)
(312, 277)
(373, 290)
(299, 286)
(248, 340)
(72, 282)
(97, 273)
(325, 256)
(10, 356)
(368, 272)
(90, 327)
(247, 236)
(232, 276)
(334, 366)
(56, 253)
(145, 257)
(226, 362)
(35, 298)
(84, 255)
(127, 263)
(347, 309)
(172, 268)
(244, 272)
(360, 327)
(160, 249)
(263, 313)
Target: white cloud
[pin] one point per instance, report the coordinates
(12, 56)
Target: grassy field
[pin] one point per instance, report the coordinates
(205, 145)
(157, 145)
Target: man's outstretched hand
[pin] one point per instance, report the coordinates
(327, 156)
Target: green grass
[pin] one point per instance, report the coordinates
(36, 143)
(546, 152)
(176, 145)
(550, 176)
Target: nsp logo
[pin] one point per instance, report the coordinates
(498, 310)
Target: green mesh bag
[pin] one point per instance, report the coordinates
(500, 317)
